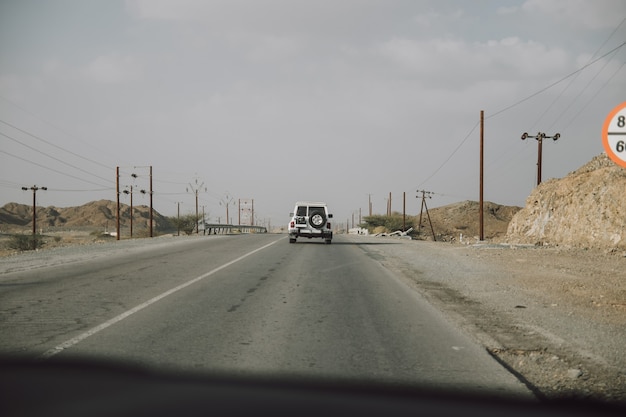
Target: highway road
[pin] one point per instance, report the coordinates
(250, 304)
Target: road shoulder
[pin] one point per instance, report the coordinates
(554, 316)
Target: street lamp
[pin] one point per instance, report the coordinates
(540, 137)
(226, 200)
(196, 190)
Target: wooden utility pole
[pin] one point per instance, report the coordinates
(151, 210)
(540, 137)
(34, 188)
(424, 206)
(482, 155)
(178, 219)
(117, 216)
(404, 211)
(131, 209)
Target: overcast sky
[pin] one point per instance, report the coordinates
(284, 100)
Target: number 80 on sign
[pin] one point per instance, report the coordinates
(614, 135)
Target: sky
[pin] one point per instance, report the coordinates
(342, 101)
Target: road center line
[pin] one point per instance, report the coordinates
(69, 343)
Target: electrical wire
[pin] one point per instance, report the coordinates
(52, 157)
(50, 124)
(594, 96)
(590, 63)
(554, 83)
(51, 169)
(573, 79)
(451, 155)
(53, 145)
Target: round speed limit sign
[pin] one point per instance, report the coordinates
(614, 135)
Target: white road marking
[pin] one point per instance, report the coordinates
(69, 343)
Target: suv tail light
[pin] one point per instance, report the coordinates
(328, 225)
(292, 224)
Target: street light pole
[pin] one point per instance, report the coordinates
(196, 190)
(540, 137)
(226, 200)
(34, 188)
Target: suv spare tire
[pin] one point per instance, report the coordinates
(317, 219)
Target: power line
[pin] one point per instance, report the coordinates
(556, 82)
(576, 77)
(52, 157)
(51, 169)
(594, 96)
(451, 155)
(49, 123)
(55, 146)
(520, 102)
(581, 92)
(81, 191)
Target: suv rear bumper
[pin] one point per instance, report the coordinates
(325, 234)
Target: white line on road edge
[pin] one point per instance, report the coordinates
(65, 345)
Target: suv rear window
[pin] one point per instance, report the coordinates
(301, 211)
(314, 209)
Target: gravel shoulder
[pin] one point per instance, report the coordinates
(554, 316)
(81, 248)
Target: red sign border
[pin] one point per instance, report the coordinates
(605, 135)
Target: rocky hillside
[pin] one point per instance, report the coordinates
(587, 208)
(96, 214)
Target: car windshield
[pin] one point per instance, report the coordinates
(457, 171)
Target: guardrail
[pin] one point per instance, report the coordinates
(226, 229)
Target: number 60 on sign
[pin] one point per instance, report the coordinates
(614, 135)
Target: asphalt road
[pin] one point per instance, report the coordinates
(245, 304)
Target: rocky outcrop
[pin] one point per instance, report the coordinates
(587, 208)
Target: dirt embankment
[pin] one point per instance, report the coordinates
(587, 209)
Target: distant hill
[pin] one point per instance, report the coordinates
(454, 220)
(96, 214)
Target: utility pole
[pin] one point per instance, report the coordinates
(195, 190)
(34, 188)
(482, 154)
(151, 210)
(131, 208)
(424, 206)
(178, 218)
(404, 211)
(142, 191)
(369, 204)
(540, 137)
(117, 211)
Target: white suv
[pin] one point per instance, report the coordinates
(310, 219)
